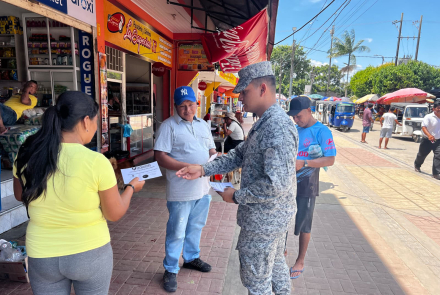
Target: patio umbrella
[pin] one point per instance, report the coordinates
(405, 95)
(316, 96)
(368, 97)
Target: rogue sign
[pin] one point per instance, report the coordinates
(86, 63)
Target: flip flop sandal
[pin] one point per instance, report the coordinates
(300, 272)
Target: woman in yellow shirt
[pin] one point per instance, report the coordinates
(69, 192)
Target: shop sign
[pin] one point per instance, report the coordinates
(127, 32)
(231, 78)
(60, 5)
(158, 69)
(86, 62)
(83, 10)
(192, 57)
(238, 47)
(202, 86)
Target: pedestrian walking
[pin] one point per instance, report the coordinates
(234, 131)
(387, 123)
(366, 122)
(266, 199)
(430, 141)
(316, 149)
(69, 191)
(182, 140)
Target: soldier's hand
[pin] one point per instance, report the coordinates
(190, 172)
(228, 195)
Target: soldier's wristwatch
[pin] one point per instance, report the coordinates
(306, 164)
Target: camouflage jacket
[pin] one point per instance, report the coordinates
(266, 199)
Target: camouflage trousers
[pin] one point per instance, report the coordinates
(263, 267)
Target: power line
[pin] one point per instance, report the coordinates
(306, 23)
(308, 30)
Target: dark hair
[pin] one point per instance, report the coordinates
(436, 104)
(270, 81)
(37, 158)
(370, 105)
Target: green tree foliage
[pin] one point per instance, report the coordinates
(388, 78)
(320, 83)
(280, 58)
(348, 46)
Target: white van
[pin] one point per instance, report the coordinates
(410, 115)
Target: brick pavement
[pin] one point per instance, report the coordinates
(375, 232)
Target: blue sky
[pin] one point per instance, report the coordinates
(373, 25)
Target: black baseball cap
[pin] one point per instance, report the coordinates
(298, 104)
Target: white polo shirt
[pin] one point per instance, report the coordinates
(432, 123)
(187, 142)
(237, 131)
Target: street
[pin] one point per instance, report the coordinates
(400, 148)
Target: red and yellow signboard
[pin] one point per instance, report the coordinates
(192, 58)
(128, 33)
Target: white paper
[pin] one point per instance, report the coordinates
(220, 186)
(213, 157)
(144, 172)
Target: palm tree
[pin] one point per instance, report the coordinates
(347, 46)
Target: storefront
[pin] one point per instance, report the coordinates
(136, 72)
(52, 44)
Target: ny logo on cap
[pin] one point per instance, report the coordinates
(184, 91)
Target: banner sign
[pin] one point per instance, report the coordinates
(83, 10)
(125, 31)
(86, 63)
(229, 77)
(238, 47)
(192, 57)
(104, 100)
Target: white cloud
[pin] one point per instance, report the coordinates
(335, 61)
(369, 40)
(359, 66)
(317, 63)
(315, 1)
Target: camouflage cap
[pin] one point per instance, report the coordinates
(251, 72)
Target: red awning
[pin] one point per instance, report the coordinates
(240, 46)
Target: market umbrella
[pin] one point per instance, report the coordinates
(332, 98)
(405, 95)
(368, 97)
(316, 96)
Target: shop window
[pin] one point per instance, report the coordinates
(114, 59)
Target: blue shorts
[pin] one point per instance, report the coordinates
(366, 129)
(8, 115)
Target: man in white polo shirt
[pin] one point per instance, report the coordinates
(182, 140)
(430, 141)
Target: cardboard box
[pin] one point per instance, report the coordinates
(15, 271)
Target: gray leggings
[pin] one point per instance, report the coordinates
(90, 272)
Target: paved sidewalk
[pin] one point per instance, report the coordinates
(376, 231)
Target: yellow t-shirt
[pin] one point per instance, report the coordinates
(69, 220)
(15, 103)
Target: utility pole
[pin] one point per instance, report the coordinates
(312, 79)
(292, 59)
(398, 38)
(330, 63)
(418, 39)
(279, 89)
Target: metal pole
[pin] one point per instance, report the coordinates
(418, 39)
(312, 79)
(279, 89)
(398, 40)
(292, 59)
(330, 63)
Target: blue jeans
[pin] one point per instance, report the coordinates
(184, 229)
(8, 115)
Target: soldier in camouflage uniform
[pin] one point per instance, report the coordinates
(267, 196)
